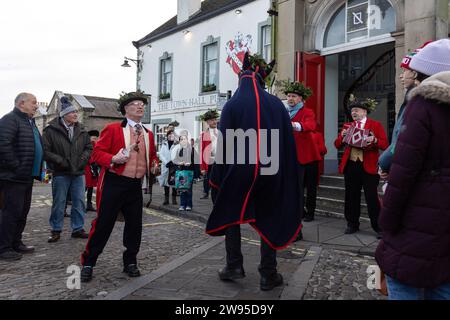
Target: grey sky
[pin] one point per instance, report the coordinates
(72, 46)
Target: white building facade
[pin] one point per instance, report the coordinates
(191, 63)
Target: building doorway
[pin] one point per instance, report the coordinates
(367, 72)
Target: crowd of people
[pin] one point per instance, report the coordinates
(412, 218)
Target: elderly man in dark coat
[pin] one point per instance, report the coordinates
(247, 191)
(21, 155)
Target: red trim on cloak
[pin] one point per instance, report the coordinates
(229, 225)
(271, 245)
(212, 184)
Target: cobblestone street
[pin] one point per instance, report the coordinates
(42, 275)
(341, 275)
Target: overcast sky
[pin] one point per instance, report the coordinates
(72, 46)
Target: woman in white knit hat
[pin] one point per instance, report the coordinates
(433, 58)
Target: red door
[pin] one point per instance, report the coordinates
(310, 69)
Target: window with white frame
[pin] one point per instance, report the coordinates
(266, 42)
(210, 67)
(166, 78)
(358, 20)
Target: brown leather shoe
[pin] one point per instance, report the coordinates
(54, 237)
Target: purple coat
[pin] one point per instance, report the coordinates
(415, 217)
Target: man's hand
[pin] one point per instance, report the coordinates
(296, 126)
(203, 172)
(120, 158)
(371, 139)
(344, 133)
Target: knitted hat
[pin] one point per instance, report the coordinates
(66, 107)
(433, 58)
(406, 61)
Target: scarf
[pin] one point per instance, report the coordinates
(294, 110)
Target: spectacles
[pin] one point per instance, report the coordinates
(136, 104)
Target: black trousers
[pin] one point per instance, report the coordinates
(268, 264)
(119, 194)
(17, 202)
(167, 191)
(301, 169)
(310, 183)
(206, 186)
(89, 190)
(355, 179)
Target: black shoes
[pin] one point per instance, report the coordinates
(228, 274)
(351, 230)
(205, 196)
(132, 270)
(21, 248)
(86, 274)
(10, 255)
(80, 234)
(268, 283)
(55, 236)
(379, 235)
(308, 218)
(90, 207)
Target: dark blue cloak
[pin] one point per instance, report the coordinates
(269, 203)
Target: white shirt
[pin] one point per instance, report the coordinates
(213, 135)
(363, 122)
(132, 124)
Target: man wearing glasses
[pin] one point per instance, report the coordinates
(67, 149)
(127, 155)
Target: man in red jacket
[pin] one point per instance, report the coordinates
(304, 125)
(208, 144)
(127, 155)
(360, 165)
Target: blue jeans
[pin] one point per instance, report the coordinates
(400, 291)
(61, 186)
(186, 198)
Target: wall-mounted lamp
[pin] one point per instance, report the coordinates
(272, 12)
(238, 11)
(127, 65)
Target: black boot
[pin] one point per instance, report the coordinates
(166, 200)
